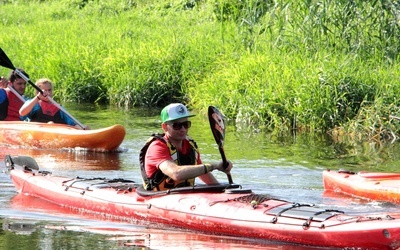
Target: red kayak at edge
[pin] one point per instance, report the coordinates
(368, 185)
(221, 209)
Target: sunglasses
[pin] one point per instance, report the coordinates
(179, 125)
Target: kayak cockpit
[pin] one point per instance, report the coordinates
(119, 184)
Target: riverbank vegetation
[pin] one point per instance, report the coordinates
(309, 65)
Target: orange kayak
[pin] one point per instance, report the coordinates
(58, 136)
(369, 185)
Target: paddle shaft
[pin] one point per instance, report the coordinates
(225, 162)
(6, 62)
(16, 94)
(48, 97)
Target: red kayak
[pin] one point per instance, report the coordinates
(368, 185)
(221, 209)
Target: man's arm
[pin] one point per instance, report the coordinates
(179, 173)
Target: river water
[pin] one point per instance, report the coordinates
(287, 167)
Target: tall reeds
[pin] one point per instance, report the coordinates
(313, 65)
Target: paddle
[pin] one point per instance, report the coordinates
(16, 94)
(6, 62)
(3, 62)
(217, 124)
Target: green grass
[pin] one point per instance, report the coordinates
(271, 65)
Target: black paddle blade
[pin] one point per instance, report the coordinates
(5, 61)
(217, 124)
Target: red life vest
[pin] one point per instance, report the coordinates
(47, 112)
(14, 104)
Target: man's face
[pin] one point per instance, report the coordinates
(177, 129)
(19, 85)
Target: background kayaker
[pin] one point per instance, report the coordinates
(172, 159)
(9, 102)
(41, 109)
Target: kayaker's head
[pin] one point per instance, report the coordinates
(46, 85)
(17, 82)
(175, 122)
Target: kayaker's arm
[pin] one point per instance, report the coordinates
(209, 179)
(184, 172)
(28, 106)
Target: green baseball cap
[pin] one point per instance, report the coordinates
(174, 111)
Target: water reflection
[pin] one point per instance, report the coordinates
(316, 150)
(23, 227)
(120, 236)
(68, 159)
(43, 217)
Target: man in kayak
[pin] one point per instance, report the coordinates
(12, 92)
(41, 109)
(172, 159)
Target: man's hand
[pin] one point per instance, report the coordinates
(221, 166)
(3, 82)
